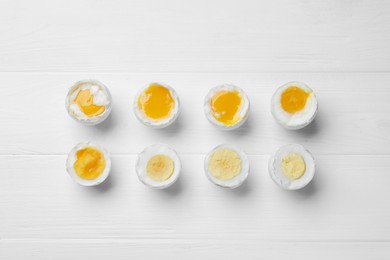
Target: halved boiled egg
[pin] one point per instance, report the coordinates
(88, 164)
(88, 102)
(292, 167)
(157, 105)
(294, 105)
(226, 166)
(226, 106)
(158, 166)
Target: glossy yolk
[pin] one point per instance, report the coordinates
(225, 105)
(156, 102)
(84, 100)
(90, 163)
(160, 167)
(293, 99)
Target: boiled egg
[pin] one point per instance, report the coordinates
(88, 164)
(226, 106)
(157, 105)
(158, 166)
(226, 166)
(292, 167)
(294, 105)
(88, 102)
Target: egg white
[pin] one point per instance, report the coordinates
(146, 155)
(102, 97)
(301, 118)
(150, 122)
(275, 167)
(72, 159)
(235, 181)
(242, 113)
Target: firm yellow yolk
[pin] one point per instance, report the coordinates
(225, 105)
(156, 102)
(84, 100)
(160, 167)
(294, 99)
(225, 164)
(90, 163)
(293, 166)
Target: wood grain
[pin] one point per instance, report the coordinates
(178, 249)
(339, 48)
(195, 36)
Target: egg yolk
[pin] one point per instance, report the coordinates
(156, 102)
(84, 100)
(160, 167)
(224, 164)
(90, 163)
(293, 166)
(225, 105)
(294, 99)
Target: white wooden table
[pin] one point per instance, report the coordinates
(340, 48)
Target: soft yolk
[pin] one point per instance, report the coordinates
(225, 164)
(156, 102)
(84, 100)
(225, 105)
(90, 163)
(160, 167)
(294, 99)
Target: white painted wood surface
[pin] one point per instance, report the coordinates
(340, 48)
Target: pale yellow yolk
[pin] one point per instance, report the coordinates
(156, 102)
(294, 99)
(160, 167)
(224, 164)
(225, 105)
(90, 163)
(84, 100)
(293, 166)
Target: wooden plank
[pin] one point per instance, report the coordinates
(176, 249)
(340, 48)
(346, 202)
(353, 114)
(222, 36)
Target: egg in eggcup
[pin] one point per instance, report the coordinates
(226, 107)
(292, 167)
(158, 166)
(157, 105)
(226, 166)
(89, 102)
(88, 164)
(294, 105)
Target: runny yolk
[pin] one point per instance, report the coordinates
(294, 99)
(156, 102)
(84, 100)
(225, 105)
(90, 163)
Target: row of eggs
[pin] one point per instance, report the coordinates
(158, 166)
(293, 105)
(157, 105)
